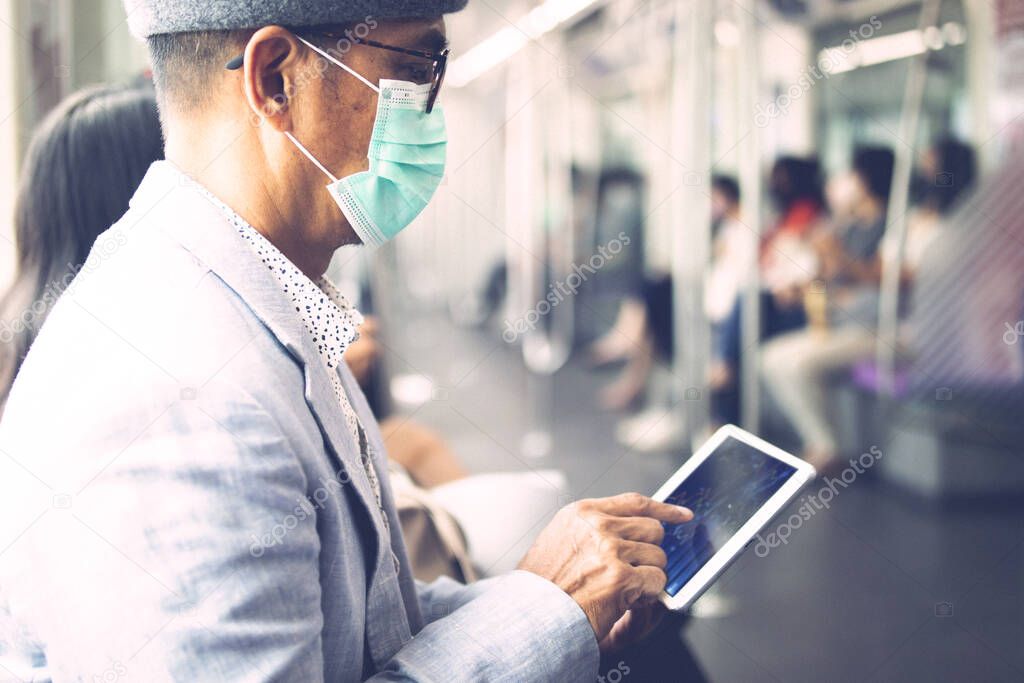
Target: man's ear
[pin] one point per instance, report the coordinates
(271, 57)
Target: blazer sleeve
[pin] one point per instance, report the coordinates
(517, 627)
(444, 595)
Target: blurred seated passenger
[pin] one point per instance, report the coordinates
(617, 206)
(455, 523)
(732, 253)
(84, 162)
(969, 284)
(947, 172)
(797, 367)
(734, 250)
(787, 262)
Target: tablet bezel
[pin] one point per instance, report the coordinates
(732, 549)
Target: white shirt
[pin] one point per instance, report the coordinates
(735, 254)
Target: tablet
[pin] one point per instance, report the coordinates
(735, 484)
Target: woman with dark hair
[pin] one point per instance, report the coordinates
(84, 163)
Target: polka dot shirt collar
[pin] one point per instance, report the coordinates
(326, 313)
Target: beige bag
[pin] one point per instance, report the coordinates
(433, 539)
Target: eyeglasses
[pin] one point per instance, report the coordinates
(438, 59)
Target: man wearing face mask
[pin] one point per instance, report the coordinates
(200, 491)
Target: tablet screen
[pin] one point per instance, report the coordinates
(724, 492)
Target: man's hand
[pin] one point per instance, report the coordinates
(634, 626)
(605, 554)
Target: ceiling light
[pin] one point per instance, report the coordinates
(499, 47)
(847, 57)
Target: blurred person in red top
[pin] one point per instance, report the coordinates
(787, 261)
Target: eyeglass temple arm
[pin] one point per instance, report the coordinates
(239, 61)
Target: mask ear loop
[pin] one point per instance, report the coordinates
(310, 157)
(346, 67)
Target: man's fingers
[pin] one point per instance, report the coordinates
(664, 512)
(642, 529)
(636, 505)
(652, 582)
(642, 554)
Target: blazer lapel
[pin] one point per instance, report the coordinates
(184, 213)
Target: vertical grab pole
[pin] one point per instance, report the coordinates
(545, 351)
(981, 79)
(691, 206)
(546, 348)
(749, 76)
(10, 145)
(521, 199)
(892, 259)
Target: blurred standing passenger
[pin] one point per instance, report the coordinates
(82, 166)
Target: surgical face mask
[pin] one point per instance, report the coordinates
(406, 154)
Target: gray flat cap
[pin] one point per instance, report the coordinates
(151, 17)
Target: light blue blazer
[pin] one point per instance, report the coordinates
(181, 500)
